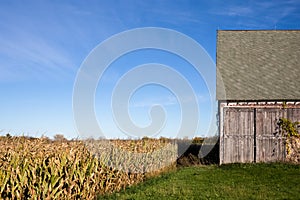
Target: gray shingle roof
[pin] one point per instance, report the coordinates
(258, 65)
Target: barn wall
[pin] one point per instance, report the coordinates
(249, 131)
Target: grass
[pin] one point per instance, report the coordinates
(234, 181)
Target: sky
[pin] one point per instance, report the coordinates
(43, 44)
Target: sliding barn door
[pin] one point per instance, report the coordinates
(251, 134)
(237, 140)
(270, 144)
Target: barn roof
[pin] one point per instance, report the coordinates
(258, 65)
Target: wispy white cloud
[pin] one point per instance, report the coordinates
(163, 101)
(234, 11)
(48, 40)
(257, 14)
(27, 51)
(175, 16)
(273, 12)
(167, 100)
(34, 56)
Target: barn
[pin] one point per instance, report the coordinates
(258, 84)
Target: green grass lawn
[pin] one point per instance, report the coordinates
(234, 181)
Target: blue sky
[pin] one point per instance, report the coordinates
(43, 43)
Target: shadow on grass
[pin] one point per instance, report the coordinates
(191, 156)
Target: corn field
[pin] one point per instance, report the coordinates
(39, 168)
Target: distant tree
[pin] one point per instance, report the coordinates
(45, 138)
(59, 137)
(145, 138)
(186, 138)
(197, 140)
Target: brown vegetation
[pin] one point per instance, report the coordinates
(60, 169)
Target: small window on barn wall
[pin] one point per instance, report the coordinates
(259, 71)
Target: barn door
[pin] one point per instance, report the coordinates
(270, 144)
(237, 140)
(252, 134)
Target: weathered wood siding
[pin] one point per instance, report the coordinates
(270, 144)
(250, 133)
(238, 135)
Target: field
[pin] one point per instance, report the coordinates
(39, 168)
(235, 181)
